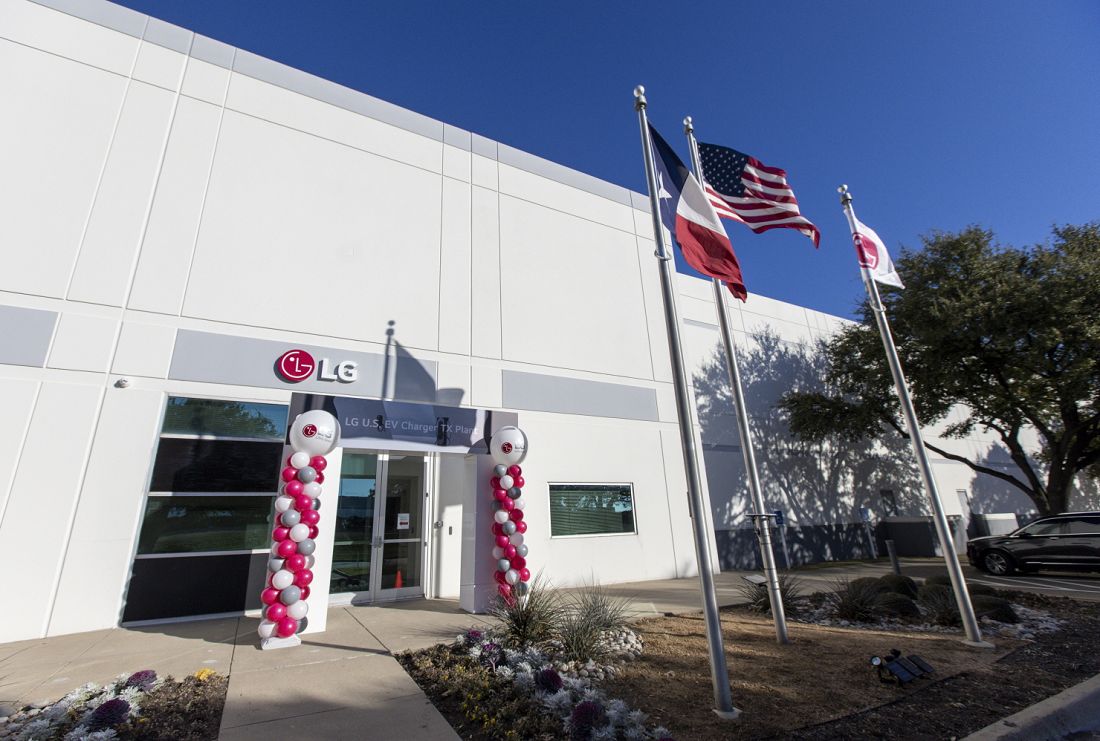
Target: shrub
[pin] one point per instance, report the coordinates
(871, 583)
(587, 615)
(528, 620)
(896, 605)
(940, 579)
(900, 584)
(939, 601)
(855, 600)
(982, 590)
(759, 596)
(994, 608)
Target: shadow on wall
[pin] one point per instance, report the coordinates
(820, 487)
(989, 495)
(405, 377)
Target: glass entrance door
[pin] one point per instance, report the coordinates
(379, 539)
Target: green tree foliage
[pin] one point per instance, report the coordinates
(1011, 335)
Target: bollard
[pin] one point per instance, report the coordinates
(893, 557)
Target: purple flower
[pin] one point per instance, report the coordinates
(109, 714)
(143, 679)
(548, 680)
(585, 717)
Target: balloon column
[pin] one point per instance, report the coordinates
(508, 449)
(313, 435)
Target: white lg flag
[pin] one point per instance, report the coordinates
(873, 256)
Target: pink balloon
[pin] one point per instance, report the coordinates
(289, 473)
(518, 481)
(268, 582)
(311, 517)
(313, 531)
(502, 541)
(280, 534)
(288, 458)
(521, 526)
(518, 562)
(524, 574)
(302, 502)
(499, 494)
(495, 482)
(499, 576)
(318, 463)
(294, 488)
(515, 516)
(287, 627)
(268, 596)
(507, 504)
(320, 478)
(297, 562)
(275, 612)
(505, 590)
(287, 548)
(498, 529)
(509, 551)
(303, 578)
(514, 471)
(305, 593)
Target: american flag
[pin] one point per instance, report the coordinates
(742, 189)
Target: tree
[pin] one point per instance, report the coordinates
(1011, 335)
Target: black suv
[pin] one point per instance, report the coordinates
(1062, 542)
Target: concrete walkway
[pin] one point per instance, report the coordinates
(346, 680)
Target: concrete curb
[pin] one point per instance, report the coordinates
(1072, 711)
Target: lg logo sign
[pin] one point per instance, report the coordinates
(298, 365)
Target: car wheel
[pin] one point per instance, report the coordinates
(998, 563)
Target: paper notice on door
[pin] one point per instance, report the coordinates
(402, 520)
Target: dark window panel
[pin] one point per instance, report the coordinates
(216, 466)
(194, 524)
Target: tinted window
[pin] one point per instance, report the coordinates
(185, 465)
(219, 418)
(1050, 527)
(193, 524)
(1083, 525)
(591, 509)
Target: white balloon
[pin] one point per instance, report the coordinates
(282, 579)
(298, 610)
(516, 538)
(298, 533)
(274, 549)
(520, 503)
(316, 432)
(507, 482)
(508, 446)
(498, 552)
(310, 560)
(501, 516)
(511, 576)
(300, 460)
(282, 504)
(266, 629)
(312, 490)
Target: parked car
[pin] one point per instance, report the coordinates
(1062, 542)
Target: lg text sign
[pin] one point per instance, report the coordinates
(298, 365)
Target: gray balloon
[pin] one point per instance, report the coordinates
(503, 564)
(303, 624)
(316, 504)
(290, 595)
(509, 528)
(515, 493)
(521, 550)
(496, 505)
(500, 470)
(290, 518)
(308, 546)
(520, 588)
(307, 474)
(275, 564)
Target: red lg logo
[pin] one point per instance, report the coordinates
(296, 365)
(309, 430)
(506, 448)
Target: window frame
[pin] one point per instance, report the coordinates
(633, 508)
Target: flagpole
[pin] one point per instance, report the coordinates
(958, 583)
(719, 673)
(761, 520)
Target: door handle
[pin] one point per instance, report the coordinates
(377, 542)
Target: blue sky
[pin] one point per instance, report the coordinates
(936, 114)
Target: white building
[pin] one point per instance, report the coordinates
(179, 214)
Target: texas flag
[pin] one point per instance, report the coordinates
(688, 214)
(873, 256)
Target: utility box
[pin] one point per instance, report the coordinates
(915, 536)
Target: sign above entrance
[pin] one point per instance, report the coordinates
(298, 365)
(374, 424)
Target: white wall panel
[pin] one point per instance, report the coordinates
(455, 292)
(19, 397)
(487, 387)
(453, 384)
(159, 66)
(303, 234)
(205, 81)
(106, 258)
(108, 513)
(485, 269)
(530, 187)
(564, 282)
(660, 362)
(53, 151)
(47, 480)
(83, 343)
(144, 350)
(67, 36)
(456, 163)
(286, 108)
(483, 172)
(165, 259)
